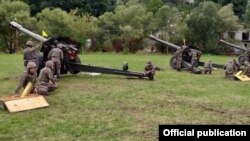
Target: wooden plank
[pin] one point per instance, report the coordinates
(27, 103)
(242, 77)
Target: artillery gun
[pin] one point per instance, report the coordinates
(243, 57)
(186, 56)
(71, 62)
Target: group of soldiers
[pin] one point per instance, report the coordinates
(232, 67)
(46, 81)
(179, 57)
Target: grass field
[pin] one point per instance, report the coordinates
(109, 107)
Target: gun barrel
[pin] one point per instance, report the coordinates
(164, 42)
(233, 45)
(26, 31)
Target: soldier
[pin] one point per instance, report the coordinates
(46, 79)
(193, 59)
(178, 57)
(125, 66)
(236, 65)
(29, 53)
(229, 68)
(149, 70)
(56, 55)
(29, 75)
(208, 67)
(247, 69)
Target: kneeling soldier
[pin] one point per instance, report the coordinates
(46, 79)
(208, 67)
(29, 75)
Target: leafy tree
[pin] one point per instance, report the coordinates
(9, 11)
(154, 5)
(207, 22)
(126, 24)
(247, 15)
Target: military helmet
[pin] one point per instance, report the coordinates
(49, 64)
(31, 65)
(29, 43)
(148, 61)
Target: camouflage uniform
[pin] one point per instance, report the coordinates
(178, 57)
(125, 66)
(27, 77)
(194, 59)
(208, 67)
(236, 65)
(29, 53)
(46, 76)
(247, 70)
(56, 55)
(229, 68)
(149, 70)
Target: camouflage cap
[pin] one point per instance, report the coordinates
(49, 64)
(29, 43)
(149, 62)
(31, 65)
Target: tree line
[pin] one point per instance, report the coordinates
(124, 25)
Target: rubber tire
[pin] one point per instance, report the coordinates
(77, 60)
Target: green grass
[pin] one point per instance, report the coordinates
(109, 107)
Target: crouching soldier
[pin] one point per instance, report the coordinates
(229, 69)
(29, 75)
(46, 80)
(247, 69)
(149, 70)
(208, 67)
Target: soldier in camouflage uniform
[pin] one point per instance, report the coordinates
(208, 67)
(56, 55)
(125, 66)
(29, 75)
(178, 57)
(193, 59)
(236, 65)
(246, 71)
(29, 53)
(46, 79)
(229, 68)
(149, 70)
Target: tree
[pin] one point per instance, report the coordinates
(207, 22)
(154, 5)
(247, 15)
(10, 11)
(126, 24)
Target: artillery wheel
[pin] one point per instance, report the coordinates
(77, 60)
(241, 59)
(173, 62)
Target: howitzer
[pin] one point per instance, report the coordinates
(71, 61)
(243, 57)
(186, 56)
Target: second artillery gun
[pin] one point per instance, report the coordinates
(186, 56)
(245, 56)
(71, 62)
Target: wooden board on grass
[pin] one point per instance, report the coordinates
(242, 77)
(26, 103)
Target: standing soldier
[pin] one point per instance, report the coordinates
(149, 70)
(46, 79)
(29, 53)
(29, 75)
(229, 68)
(208, 67)
(236, 65)
(178, 57)
(193, 59)
(56, 55)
